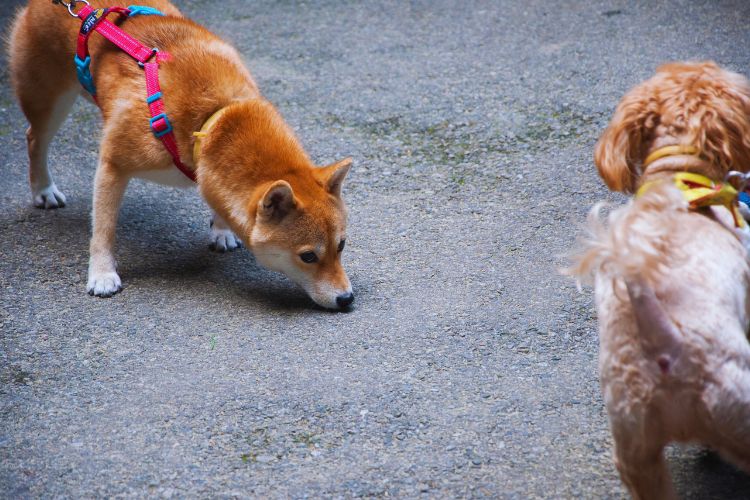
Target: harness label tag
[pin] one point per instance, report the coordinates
(92, 20)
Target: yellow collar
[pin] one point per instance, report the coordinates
(204, 132)
(700, 191)
(677, 149)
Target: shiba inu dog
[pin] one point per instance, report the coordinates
(247, 163)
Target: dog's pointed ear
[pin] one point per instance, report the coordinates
(333, 175)
(621, 148)
(278, 200)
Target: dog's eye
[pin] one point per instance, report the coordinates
(341, 245)
(308, 257)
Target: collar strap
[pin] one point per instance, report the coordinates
(677, 149)
(700, 191)
(203, 132)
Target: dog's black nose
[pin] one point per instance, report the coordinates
(345, 300)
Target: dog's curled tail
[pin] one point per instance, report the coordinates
(633, 249)
(636, 240)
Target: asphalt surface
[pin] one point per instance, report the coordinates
(468, 366)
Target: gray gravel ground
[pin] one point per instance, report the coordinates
(467, 368)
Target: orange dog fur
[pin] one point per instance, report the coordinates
(684, 103)
(252, 170)
(672, 284)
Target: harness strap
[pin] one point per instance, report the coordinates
(91, 18)
(125, 42)
(700, 191)
(159, 122)
(148, 59)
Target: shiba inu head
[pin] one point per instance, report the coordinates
(254, 173)
(301, 232)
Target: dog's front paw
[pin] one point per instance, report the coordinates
(223, 240)
(49, 197)
(104, 284)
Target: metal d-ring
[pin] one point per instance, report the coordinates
(70, 5)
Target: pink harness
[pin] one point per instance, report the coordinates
(148, 59)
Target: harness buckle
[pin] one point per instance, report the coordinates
(160, 128)
(154, 51)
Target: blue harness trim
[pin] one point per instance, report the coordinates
(142, 10)
(153, 97)
(84, 74)
(155, 127)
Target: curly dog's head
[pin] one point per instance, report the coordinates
(698, 104)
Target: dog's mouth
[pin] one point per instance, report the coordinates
(334, 310)
(342, 302)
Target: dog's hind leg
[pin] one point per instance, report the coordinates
(729, 406)
(43, 78)
(639, 458)
(44, 122)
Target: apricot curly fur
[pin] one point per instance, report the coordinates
(699, 104)
(671, 284)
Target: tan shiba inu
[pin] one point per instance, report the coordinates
(250, 168)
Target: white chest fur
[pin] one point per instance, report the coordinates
(168, 176)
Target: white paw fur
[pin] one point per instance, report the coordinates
(48, 197)
(104, 284)
(223, 240)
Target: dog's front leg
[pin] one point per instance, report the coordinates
(222, 238)
(109, 187)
